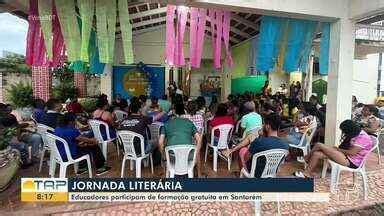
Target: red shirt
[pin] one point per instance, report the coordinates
(75, 108)
(216, 121)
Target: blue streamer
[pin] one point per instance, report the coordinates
(324, 48)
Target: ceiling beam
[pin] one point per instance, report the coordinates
(149, 22)
(148, 13)
(246, 22)
(234, 30)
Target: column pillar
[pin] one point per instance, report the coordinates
(42, 83)
(339, 96)
(309, 79)
(80, 82)
(106, 81)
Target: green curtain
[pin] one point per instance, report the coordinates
(86, 8)
(69, 27)
(45, 14)
(106, 26)
(126, 31)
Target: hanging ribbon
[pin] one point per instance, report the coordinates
(324, 48)
(58, 41)
(226, 30)
(95, 67)
(182, 13)
(216, 18)
(126, 31)
(197, 32)
(45, 18)
(170, 35)
(86, 8)
(106, 26)
(69, 28)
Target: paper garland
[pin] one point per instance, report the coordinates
(197, 33)
(69, 27)
(86, 8)
(45, 18)
(126, 31)
(106, 25)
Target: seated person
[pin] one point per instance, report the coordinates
(164, 104)
(355, 145)
(54, 108)
(79, 145)
(305, 120)
(102, 114)
(7, 126)
(220, 118)
(194, 117)
(368, 121)
(155, 112)
(30, 139)
(74, 106)
(251, 121)
(38, 112)
(180, 131)
(119, 103)
(138, 123)
(269, 141)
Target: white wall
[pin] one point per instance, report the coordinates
(365, 78)
(149, 47)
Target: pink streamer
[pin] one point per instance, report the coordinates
(170, 35)
(182, 13)
(197, 32)
(216, 25)
(226, 28)
(36, 54)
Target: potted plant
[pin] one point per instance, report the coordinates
(9, 158)
(20, 95)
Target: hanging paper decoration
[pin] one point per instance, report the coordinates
(95, 66)
(226, 30)
(86, 8)
(106, 26)
(69, 27)
(216, 19)
(283, 47)
(324, 48)
(298, 45)
(45, 18)
(175, 36)
(126, 31)
(58, 41)
(220, 27)
(269, 40)
(197, 32)
(170, 35)
(35, 51)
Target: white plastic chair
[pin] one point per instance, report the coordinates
(96, 128)
(33, 118)
(337, 168)
(41, 130)
(378, 145)
(181, 164)
(154, 129)
(127, 137)
(273, 160)
(120, 115)
(305, 142)
(225, 136)
(56, 157)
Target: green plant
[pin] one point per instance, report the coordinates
(15, 63)
(20, 95)
(6, 136)
(88, 104)
(64, 90)
(63, 73)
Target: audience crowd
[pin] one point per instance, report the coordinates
(261, 121)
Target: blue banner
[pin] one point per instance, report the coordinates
(130, 81)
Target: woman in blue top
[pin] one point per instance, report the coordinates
(79, 145)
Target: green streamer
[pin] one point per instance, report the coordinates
(86, 8)
(106, 26)
(45, 18)
(126, 31)
(79, 67)
(70, 28)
